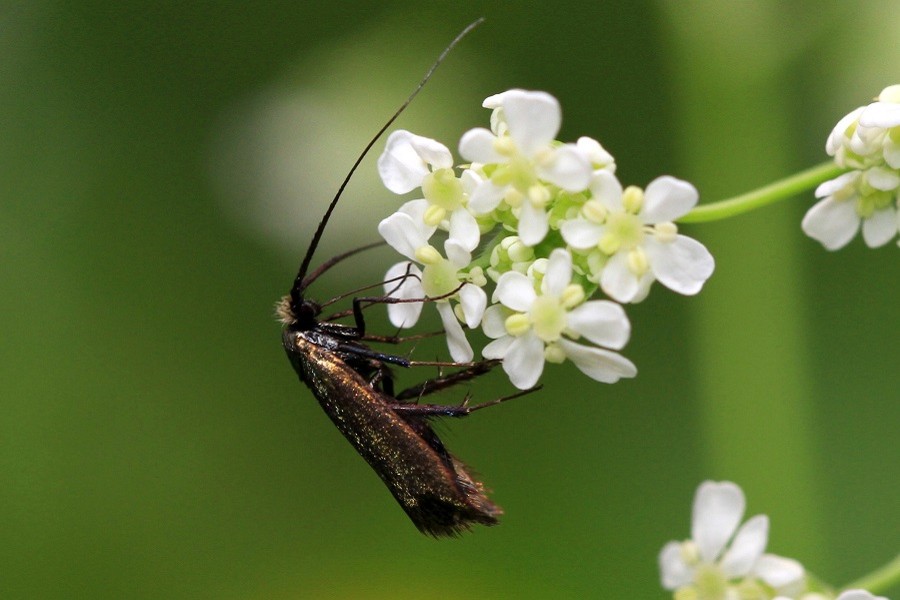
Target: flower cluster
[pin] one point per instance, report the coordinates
(867, 141)
(724, 560)
(549, 225)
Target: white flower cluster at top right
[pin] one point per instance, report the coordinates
(867, 141)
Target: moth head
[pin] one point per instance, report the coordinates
(302, 314)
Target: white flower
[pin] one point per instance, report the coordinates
(530, 328)
(868, 141)
(439, 278)
(721, 558)
(853, 198)
(410, 161)
(845, 595)
(633, 234)
(858, 595)
(521, 156)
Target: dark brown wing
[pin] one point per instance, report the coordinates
(434, 488)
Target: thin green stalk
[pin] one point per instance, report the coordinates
(769, 194)
(879, 580)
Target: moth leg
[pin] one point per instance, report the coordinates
(442, 382)
(460, 410)
(362, 302)
(400, 339)
(380, 377)
(358, 356)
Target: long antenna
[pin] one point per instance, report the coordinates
(299, 283)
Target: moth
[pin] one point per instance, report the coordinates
(353, 384)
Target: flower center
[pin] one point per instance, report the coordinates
(710, 582)
(548, 318)
(517, 171)
(443, 189)
(439, 278)
(623, 232)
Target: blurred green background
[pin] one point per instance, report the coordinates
(162, 167)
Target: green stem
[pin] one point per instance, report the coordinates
(880, 580)
(785, 188)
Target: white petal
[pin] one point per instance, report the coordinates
(880, 114)
(596, 154)
(839, 133)
(402, 234)
(493, 322)
(645, 281)
(581, 234)
(891, 152)
(890, 94)
(778, 571)
(617, 280)
(432, 152)
(683, 265)
(408, 271)
(607, 189)
(674, 572)
(477, 145)
(460, 350)
(667, 198)
(718, 508)
(404, 162)
(458, 256)
(859, 595)
(416, 210)
(533, 118)
(882, 178)
(838, 183)
(498, 348)
(516, 291)
(866, 141)
(533, 224)
(558, 274)
(464, 228)
(496, 100)
(602, 322)
(524, 360)
(831, 223)
(748, 545)
(597, 363)
(407, 314)
(473, 301)
(880, 228)
(470, 179)
(568, 168)
(486, 197)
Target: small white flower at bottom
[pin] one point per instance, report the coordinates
(722, 561)
(845, 595)
(859, 595)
